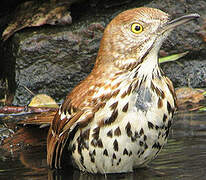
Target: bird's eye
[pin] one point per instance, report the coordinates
(136, 28)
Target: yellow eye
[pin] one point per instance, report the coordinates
(136, 28)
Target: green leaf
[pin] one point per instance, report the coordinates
(204, 93)
(202, 109)
(173, 57)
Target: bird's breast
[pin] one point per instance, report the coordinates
(127, 132)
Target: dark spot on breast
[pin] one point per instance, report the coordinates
(136, 134)
(114, 106)
(117, 132)
(95, 135)
(124, 94)
(102, 97)
(145, 137)
(94, 101)
(81, 143)
(125, 108)
(141, 132)
(115, 93)
(105, 152)
(109, 133)
(91, 154)
(114, 156)
(94, 142)
(112, 118)
(86, 121)
(135, 137)
(150, 125)
(125, 152)
(115, 145)
(130, 153)
(145, 146)
(129, 89)
(156, 145)
(141, 143)
(85, 134)
(142, 152)
(164, 118)
(162, 127)
(102, 105)
(116, 85)
(99, 143)
(136, 74)
(128, 129)
(169, 108)
(160, 103)
(119, 161)
(159, 92)
(144, 98)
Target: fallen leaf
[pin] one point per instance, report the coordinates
(38, 13)
(43, 100)
(189, 98)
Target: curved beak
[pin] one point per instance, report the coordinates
(178, 21)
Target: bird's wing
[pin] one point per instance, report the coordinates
(61, 127)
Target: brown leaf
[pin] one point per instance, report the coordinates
(188, 98)
(35, 13)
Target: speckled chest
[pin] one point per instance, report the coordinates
(139, 129)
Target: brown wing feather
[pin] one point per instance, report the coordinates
(57, 137)
(74, 104)
(60, 129)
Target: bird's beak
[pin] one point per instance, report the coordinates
(178, 21)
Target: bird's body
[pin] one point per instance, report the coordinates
(129, 131)
(119, 117)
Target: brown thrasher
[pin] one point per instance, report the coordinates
(119, 117)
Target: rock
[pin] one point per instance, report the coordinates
(52, 60)
(191, 73)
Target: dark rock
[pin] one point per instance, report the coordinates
(53, 60)
(191, 73)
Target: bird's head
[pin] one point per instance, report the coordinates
(135, 34)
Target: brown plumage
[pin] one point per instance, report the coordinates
(119, 117)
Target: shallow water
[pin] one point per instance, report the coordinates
(184, 157)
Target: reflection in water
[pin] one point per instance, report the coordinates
(182, 158)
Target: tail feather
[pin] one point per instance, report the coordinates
(51, 146)
(56, 141)
(39, 119)
(59, 132)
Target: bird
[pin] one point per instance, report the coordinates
(118, 118)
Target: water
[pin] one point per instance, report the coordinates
(184, 157)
